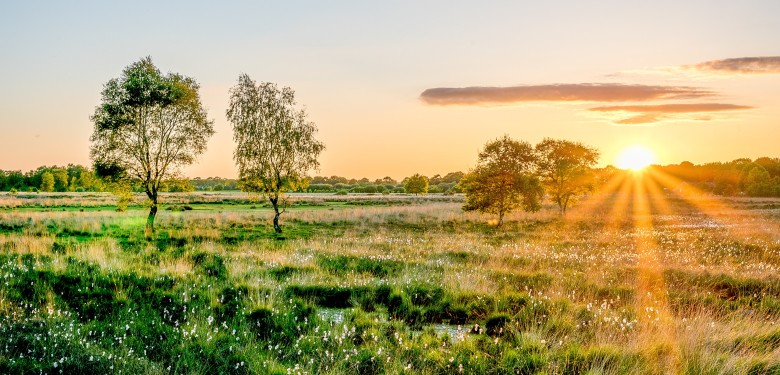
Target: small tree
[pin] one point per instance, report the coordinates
(61, 180)
(275, 145)
(758, 183)
(47, 181)
(502, 180)
(147, 127)
(566, 170)
(416, 184)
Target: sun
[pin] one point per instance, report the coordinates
(635, 158)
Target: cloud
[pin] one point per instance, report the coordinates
(579, 92)
(646, 114)
(740, 65)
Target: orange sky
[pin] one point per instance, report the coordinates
(402, 88)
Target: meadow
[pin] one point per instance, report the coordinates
(369, 284)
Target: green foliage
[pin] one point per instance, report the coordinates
(501, 182)
(416, 184)
(123, 193)
(495, 324)
(47, 182)
(275, 144)
(327, 295)
(177, 185)
(345, 263)
(147, 126)
(565, 169)
(759, 183)
(211, 265)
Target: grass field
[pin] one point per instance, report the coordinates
(389, 284)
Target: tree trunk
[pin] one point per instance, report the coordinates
(152, 214)
(275, 204)
(500, 218)
(150, 219)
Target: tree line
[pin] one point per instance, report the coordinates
(50, 179)
(79, 178)
(740, 177)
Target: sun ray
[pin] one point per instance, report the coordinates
(715, 208)
(600, 199)
(658, 202)
(657, 328)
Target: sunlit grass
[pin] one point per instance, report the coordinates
(639, 279)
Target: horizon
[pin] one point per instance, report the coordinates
(399, 179)
(410, 88)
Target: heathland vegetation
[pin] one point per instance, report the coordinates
(389, 284)
(650, 272)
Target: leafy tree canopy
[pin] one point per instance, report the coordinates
(566, 170)
(147, 126)
(503, 180)
(275, 144)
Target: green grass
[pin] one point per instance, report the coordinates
(372, 285)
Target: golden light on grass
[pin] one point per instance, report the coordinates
(635, 158)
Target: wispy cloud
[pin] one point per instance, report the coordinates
(711, 69)
(739, 65)
(580, 92)
(647, 114)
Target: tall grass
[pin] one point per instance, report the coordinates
(392, 286)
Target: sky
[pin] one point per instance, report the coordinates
(405, 87)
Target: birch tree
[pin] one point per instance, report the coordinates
(147, 127)
(275, 144)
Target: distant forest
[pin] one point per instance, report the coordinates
(740, 177)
